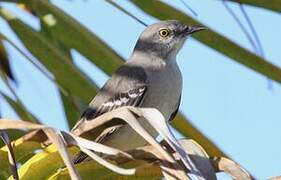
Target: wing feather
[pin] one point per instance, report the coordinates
(132, 97)
(127, 87)
(173, 115)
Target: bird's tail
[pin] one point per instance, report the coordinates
(80, 157)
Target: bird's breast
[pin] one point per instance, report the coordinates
(164, 90)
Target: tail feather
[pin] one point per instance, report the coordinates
(80, 157)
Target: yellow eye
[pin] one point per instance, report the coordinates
(164, 32)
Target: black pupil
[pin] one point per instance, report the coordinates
(164, 33)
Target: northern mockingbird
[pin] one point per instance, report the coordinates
(150, 78)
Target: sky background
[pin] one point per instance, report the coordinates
(237, 108)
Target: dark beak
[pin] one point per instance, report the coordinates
(192, 29)
(196, 28)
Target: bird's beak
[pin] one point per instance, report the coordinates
(192, 29)
(196, 28)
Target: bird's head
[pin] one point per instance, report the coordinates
(164, 39)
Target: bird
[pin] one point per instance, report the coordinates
(150, 78)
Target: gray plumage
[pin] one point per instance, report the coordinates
(150, 78)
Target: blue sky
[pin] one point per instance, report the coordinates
(230, 103)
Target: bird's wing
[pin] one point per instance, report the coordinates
(173, 115)
(132, 97)
(126, 87)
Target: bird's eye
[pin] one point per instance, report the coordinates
(164, 32)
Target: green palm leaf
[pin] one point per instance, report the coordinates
(274, 5)
(72, 106)
(66, 74)
(87, 169)
(20, 109)
(74, 35)
(22, 150)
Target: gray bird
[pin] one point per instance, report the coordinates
(150, 78)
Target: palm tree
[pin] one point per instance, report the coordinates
(49, 50)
